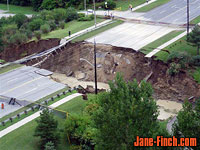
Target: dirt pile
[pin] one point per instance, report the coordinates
(14, 53)
(76, 60)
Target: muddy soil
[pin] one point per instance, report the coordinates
(16, 52)
(76, 60)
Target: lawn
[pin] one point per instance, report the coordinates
(124, 4)
(18, 9)
(95, 32)
(196, 20)
(152, 5)
(196, 75)
(73, 26)
(179, 46)
(148, 48)
(9, 68)
(23, 139)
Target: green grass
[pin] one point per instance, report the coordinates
(196, 20)
(95, 32)
(196, 75)
(29, 106)
(179, 46)
(148, 48)
(23, 139)
(18, 9)
(124, 4)
(73, 26)
(9, 68)
(152, 5)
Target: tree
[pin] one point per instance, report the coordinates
(36, 4)
(125, 112)
(194, 37)
(49, 146)
(20, 19)
(47, 128)
(1, 41)
(188, 122)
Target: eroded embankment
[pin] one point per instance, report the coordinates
(76, 60)
(14, 52)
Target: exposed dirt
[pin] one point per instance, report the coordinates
(72, 62)
(14, 53)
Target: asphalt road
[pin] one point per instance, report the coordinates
(174, 12)
(27, 83)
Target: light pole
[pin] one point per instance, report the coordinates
(95, 66)
(8, 5)
(188, 18)
(95, 18)
(85, 5)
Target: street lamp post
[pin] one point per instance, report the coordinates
(8, 5)
(95, 66)
(188, 18)
(95, 18)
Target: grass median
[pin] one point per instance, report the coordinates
(97, 31)
(13, 9)
(124, 4)
(152, 5)
(9, 68)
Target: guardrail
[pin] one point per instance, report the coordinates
(34, 107)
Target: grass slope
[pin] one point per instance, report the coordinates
(9, 68)
(152, 5)
(18, 9)
(148, 48)
(178, 46)
(124, 4)
(73, 26)
(23, 139)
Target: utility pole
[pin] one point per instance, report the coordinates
(188, 18)
(95, 67)
(95, 17)
(8, 5)
(85, 5)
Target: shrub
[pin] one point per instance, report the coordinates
(18, 38)
(52, 25)
(62, 25)
(196, 75)
(195, 60)
(71, 14)
(80, 15)
(59, 14)
(9, 29)
(86, 18)
(49, 146)
(20, 19)
(174, 69)
(47, 15)
(45, 28)
(38, 35)
(48, 4)
(111, 4)
(35, 24)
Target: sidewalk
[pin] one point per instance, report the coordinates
(35, 115)
(158, 49)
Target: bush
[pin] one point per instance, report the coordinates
(111, 4)
(45, 28)
(35, 24)
(20, 19)
(47, 15)
(80, 15)
(49, 146)
(71, 14)
(48, 4)
(38, 35)
(86, 18)
(52, 25)
(174, 69)
(195, 60)
(18, 38)
(62, 25)
(9, 29)
(59, 14)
